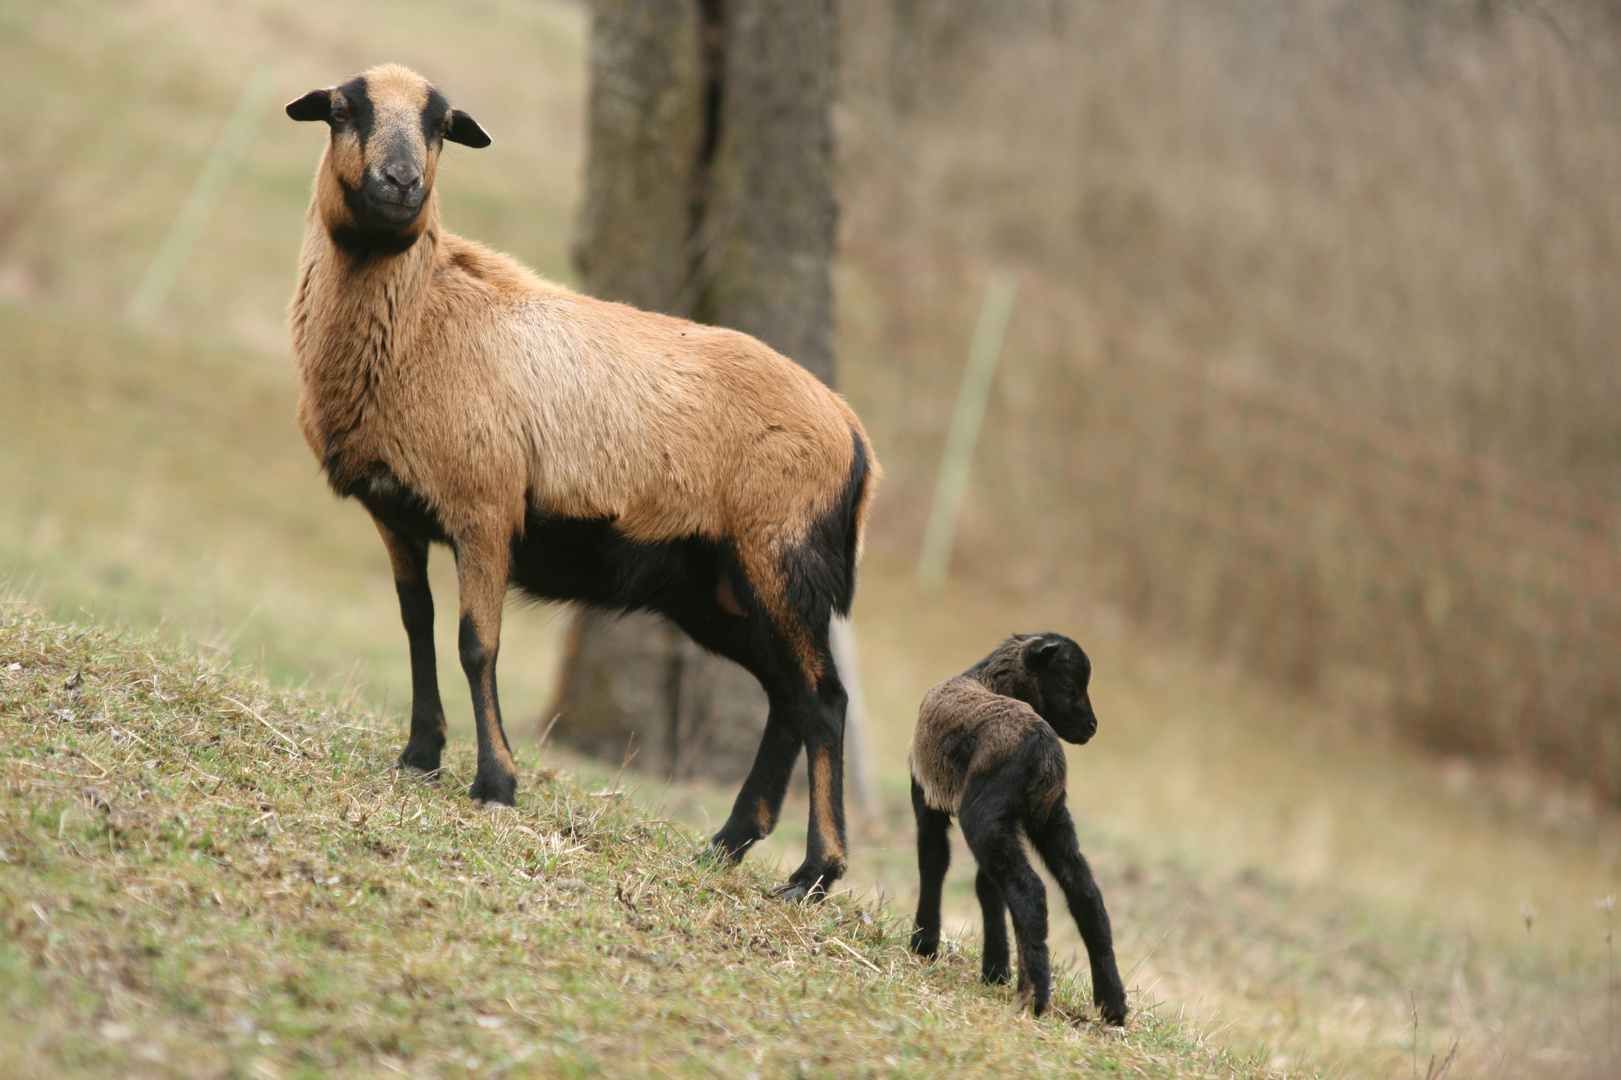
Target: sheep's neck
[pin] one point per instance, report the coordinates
(353, 324)
(1003, 672)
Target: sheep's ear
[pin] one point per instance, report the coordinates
(465, 130)
(1040, 653)
(315, 105)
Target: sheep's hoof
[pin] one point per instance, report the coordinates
(804, 885)
(429, 775)
(730, 845)
(501, 790)
(792, 893)
(417, 761)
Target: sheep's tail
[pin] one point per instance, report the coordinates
(852, 514)
(821, 571)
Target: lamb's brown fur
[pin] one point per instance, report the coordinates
(963, 713)
(456, 374)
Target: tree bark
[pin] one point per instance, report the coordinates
(709, 194)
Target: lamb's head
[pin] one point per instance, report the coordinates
(1061, 673)
(388, 125)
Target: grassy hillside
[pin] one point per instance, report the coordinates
(206, 876)
(1284, 882)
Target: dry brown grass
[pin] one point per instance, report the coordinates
(1434, 593)
(1411, 209)
(1272, 872)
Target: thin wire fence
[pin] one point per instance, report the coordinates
(1476, 610)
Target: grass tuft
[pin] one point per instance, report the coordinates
(204, 874)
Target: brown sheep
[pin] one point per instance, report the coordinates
(986, 750)
(576, 449)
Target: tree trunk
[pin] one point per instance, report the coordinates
(708, 195)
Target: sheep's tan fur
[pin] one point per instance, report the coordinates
(491, 392)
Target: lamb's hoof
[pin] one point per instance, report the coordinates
(1114, 1013)
(499, 790)
(493, 807)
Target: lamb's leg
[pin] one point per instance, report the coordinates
(1055, 841)
(933, 859)
(482, 563)
(990, 825)
(409, 557)
(994, 966)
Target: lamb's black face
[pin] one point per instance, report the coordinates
(1063, 673)
(388, 127)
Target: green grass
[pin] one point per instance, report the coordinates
(205, 875)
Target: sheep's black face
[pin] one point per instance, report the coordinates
(1063, 674)
(388, 127)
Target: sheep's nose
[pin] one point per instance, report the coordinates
(403, 175)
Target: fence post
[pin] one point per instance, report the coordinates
(206, 193)
(973, 394)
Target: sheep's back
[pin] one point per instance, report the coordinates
(669, 427)
(964, 730)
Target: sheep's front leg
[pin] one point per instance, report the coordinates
(409, 557)
(482, 564)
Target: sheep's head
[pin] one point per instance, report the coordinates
(1062, 674)
(388, 125)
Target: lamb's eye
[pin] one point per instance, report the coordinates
(340, 114)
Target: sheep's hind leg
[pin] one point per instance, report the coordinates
(994, 966)
(933, 860)
(824, 760)
(409, 558)
(990, 827)
(481, 566)
(1055, 842)
(754, 813)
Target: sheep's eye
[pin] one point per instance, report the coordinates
(340, 115)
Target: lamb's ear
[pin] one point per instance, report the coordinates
(315, 105)
(1040, 653)
(465, 130)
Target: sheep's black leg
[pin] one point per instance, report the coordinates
(993, 966)
(989, 824)
(754, 813)
(409, 557)
(933, 859)
(824, 760)
(1055, 842)
(481, 568)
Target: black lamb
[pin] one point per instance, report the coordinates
(986, 750)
